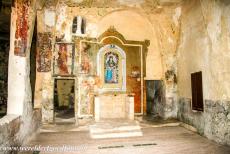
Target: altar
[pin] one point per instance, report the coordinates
(114, 106)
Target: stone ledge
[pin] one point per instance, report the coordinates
(9, 127)
(8, 118)
(189, 127)
(16, 130)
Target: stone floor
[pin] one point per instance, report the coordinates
(167, 138)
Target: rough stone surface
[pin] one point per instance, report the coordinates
(212, 123)
(217, 123)
(158, 103)
(4, 47)
(186, 115)
(9, 126)
(17, 130)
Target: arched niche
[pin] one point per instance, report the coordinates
(111, 62)
(136, 25)
(133, 65)
(92, 68)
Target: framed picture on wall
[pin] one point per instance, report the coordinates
(63, 60)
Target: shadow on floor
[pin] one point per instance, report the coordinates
(156, 120)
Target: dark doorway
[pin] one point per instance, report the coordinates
(4, 56)
(5, 17)
(64, 97)
(154, 97)
(150, 96)
(33, 62)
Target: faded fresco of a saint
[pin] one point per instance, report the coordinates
(62, 59)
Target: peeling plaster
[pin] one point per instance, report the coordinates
(176, 16)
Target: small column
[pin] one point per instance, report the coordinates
(131, 107)
(79, 25)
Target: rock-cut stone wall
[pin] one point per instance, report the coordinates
(16, 130)
(214, 122)
(204, 46)
(158, 102)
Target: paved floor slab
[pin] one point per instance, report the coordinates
(155, 140)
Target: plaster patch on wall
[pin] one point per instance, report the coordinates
(176, 16)
(63, 25)
(77, 1)
(170, 40)
(131, 2)
(50, 17)
(47, 98)
(92, 30)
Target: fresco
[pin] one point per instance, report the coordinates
(87, 95)
(21, 34)
(44, 52)
(88, 56)
(85, 59)
(111, 67)
(64, 59)
(89, 82)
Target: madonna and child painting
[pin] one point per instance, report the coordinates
(111, 67)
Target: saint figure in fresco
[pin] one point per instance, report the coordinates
(62, 59)
(111, 68)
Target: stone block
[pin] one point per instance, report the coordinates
(121, 107)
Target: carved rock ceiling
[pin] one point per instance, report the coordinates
(116, 3)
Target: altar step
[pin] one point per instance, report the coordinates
(115, 129)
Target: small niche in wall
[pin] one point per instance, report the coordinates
(79, 25)
(197, 91)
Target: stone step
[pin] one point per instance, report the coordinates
(116, 135)
(115, 129)
(95, 129)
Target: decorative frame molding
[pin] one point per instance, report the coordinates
(71, 73)
(100, 54)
